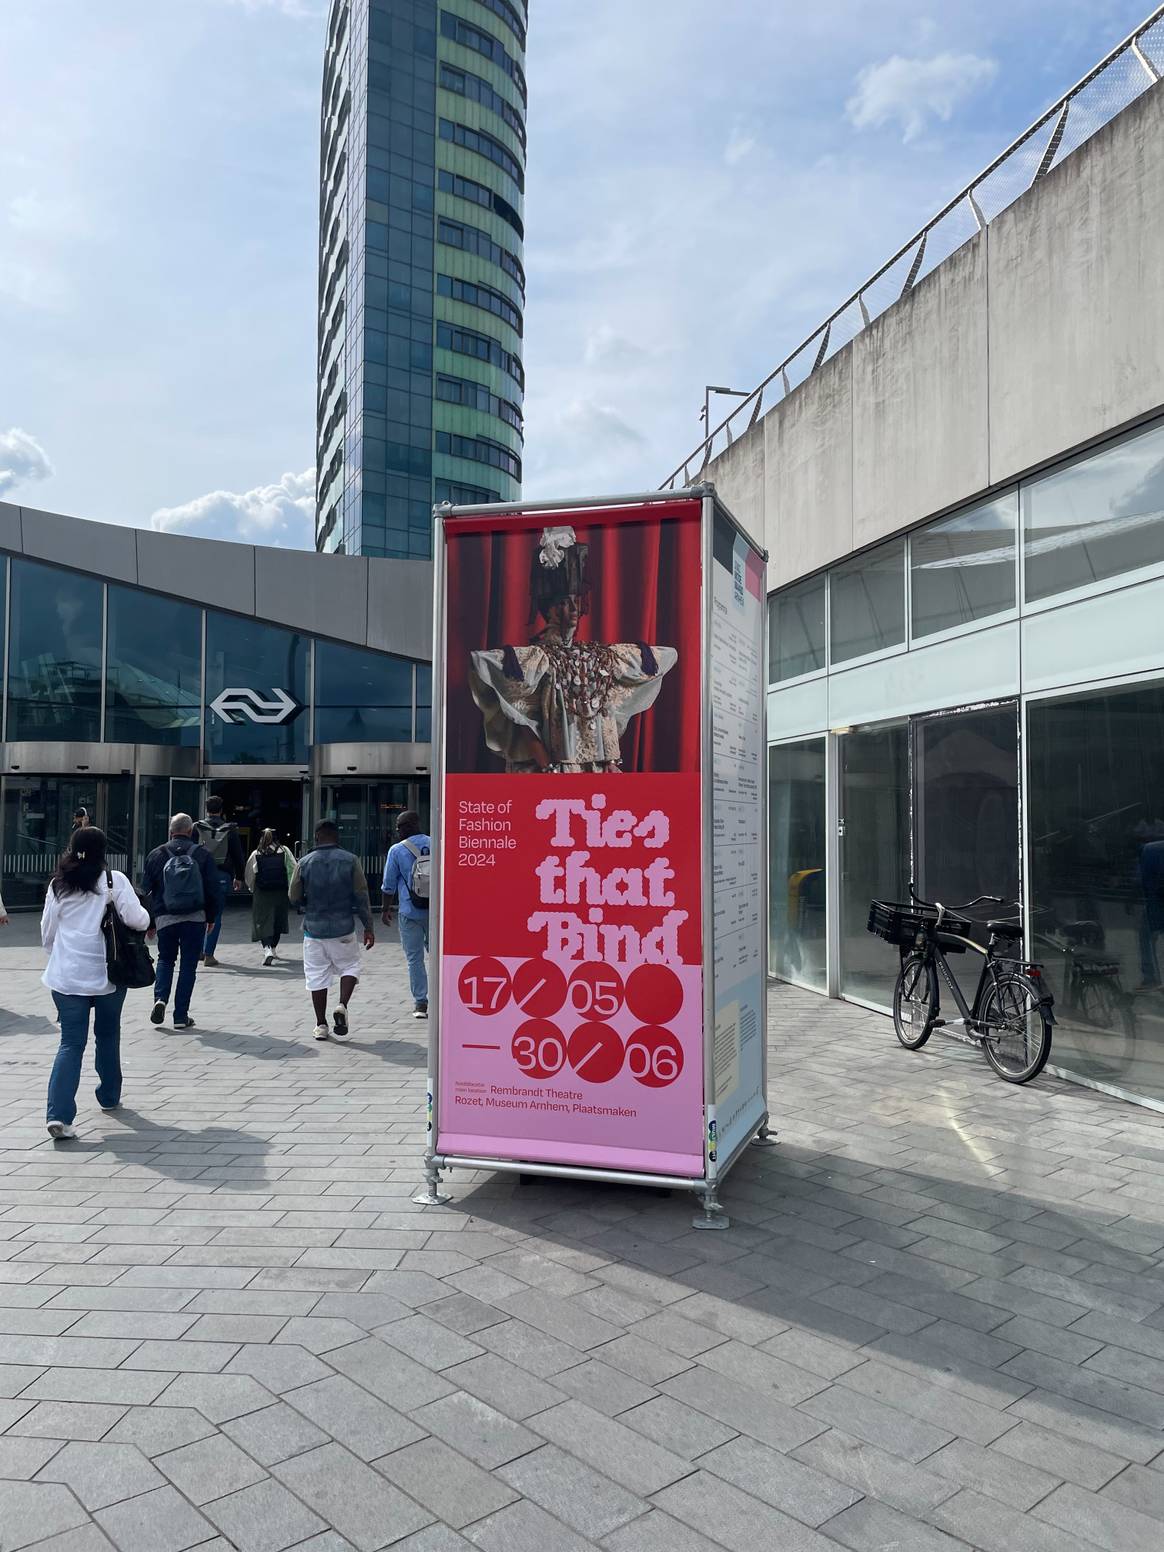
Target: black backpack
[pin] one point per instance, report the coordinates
(270, 870)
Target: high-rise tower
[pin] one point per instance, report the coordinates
(421, 284)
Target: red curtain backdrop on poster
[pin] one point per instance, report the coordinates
(645, 587)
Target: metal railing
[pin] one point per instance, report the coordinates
(1130, 69)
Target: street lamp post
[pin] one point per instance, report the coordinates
(705, 413)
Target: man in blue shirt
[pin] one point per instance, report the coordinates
(412, 903)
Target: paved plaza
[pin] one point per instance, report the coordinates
(936, 1322)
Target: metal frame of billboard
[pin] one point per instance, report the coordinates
(714, 1169)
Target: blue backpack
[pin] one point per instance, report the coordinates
(182, 892)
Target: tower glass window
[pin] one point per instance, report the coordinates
(422, 146)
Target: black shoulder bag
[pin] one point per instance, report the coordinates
(127, 959)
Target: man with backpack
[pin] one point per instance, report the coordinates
(183, 896)
(221, 839)
(407, 880)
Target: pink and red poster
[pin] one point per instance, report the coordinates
(571, 945)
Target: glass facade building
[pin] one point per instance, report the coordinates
(135, 704)
(978, 705)
(421, 279)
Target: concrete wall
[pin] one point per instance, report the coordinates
(1043, 333)
(386, 604)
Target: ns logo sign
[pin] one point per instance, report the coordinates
(248, 705)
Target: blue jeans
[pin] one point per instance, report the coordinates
(414, 941)
(184, 940)
(225, 885)
(65, 1077)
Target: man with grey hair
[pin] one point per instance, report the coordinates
(182, 889)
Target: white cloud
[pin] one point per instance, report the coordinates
(909, 91)
(22, 458)
(738, 147)
(282, 514)
(300, 9)
(606, 347)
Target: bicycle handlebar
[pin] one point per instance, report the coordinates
(979, 900)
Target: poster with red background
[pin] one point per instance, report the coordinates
(571, 1002)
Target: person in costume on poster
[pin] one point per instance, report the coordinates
(560, 704)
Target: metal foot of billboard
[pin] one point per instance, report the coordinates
(597, 1007)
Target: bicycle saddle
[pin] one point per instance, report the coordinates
(1011, 927)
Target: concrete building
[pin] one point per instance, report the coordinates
(963, 502)
(142, 670)
(421, 285)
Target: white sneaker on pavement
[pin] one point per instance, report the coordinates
(268, 957)
(58, 1130)
(339, 1022)
(322, 1032)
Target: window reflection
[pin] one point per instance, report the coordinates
(154, 674)
(796, 630)
(796, 856)
(962, 568)
(1098, 518)
(361, 696)
(868, 603)
(1097, 880)
(54, 667)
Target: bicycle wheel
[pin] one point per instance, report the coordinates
(1017, 1038)
(1108, 1027)
(915, 1002)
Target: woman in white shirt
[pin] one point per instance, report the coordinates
(70, 929)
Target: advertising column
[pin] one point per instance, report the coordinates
(571, 939)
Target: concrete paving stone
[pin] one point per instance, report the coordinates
(327, 1542)
(523, 1527)
(156, 1429)
(61, 1419)
(120, 1387)
(32, 1511)
(247, 1301)
(236, 1329)
(219, 1397)
(182, 1357)
(278, 1366)
(436, 1538)
(364, 1424)
(503, 1385)
(118, 1297)
(989, 1471)
(605, 1389)
(1100, 1518)
(318, 1334)
(870, 1526)
(938, 1356)
(764, 1371)
(464, 1314)
(274, 1434)
(476, 1430)
(264, 1518)
(746, 1410)
(368, 1311)
(879, 1313)
(352, 1498)
(431, 1344)
(992, 1526)
(1140, 1488)
(23, 1321)
(1091, 1387)
(809, 1352)
(64, 1352)
(622, 1453)
(530, 1348)
(589, 1503)
(1089, 1295)
(416, 1289)
(159, 1521)
(789, 1485)
(88, 1538)
(457, 1491)
(734, 1519)
(389, 1374)
(1076, 1458)
(209, 1468)
(102, 1474)
(871, 1471)
(142, 1324)
(683, 1430)
(642, 1360)
(22, 1458)
(876, 1422)
(658, 1532)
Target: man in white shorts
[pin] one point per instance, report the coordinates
(330, 884)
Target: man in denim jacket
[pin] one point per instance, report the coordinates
(330, 885)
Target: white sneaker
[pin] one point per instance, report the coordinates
(339, 1022)
(322, 1032)
(59, 1130)
(268, 957)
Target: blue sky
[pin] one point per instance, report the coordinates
(706, 182)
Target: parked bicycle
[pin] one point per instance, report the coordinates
(1011, 1014)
